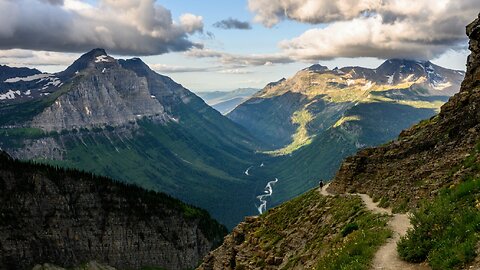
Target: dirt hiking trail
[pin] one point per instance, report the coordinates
(387, 257)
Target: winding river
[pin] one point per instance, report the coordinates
(263, 198)
(268, 191)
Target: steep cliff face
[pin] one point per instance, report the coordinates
(67, 218)
(427, 156)
(101, 92)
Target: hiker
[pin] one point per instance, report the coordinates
(321, 184)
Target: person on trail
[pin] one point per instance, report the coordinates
(321, 184)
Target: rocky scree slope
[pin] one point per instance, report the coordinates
(427, 156)
(67, 217)
(121, 119)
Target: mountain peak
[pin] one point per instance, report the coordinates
(96, 55)
(273, 84)
(136, 65)
(316, 68)
(399, 62)
(89, 59)
(394, 68)
(97, 52)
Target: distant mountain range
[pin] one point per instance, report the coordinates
(120, 119)
(226, 101)
(315, 119)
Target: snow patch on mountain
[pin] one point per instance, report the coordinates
(102, 58)
(10, 94)
(390, 79)
(28, 78)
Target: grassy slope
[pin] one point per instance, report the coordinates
(446, 231)
(195, 161)
(168, 159)
(312, 232)
(377, 124)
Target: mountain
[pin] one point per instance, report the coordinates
(120, 119)
(289, 112)
(318, 117)
(432, 170)
(7, 72)
(427, 156)
(226, 101)
(67, 217)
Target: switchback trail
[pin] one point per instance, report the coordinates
(387, 257)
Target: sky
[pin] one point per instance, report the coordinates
(223, 45)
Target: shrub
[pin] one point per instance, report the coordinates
(349, 228)
(445, 231)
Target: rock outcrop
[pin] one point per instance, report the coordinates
(425, 157)
(67, 218)
(101, 92)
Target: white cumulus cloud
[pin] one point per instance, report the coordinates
(421, 29)
(128, 27)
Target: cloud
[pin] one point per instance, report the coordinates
(312, 11)
(231, 23)
(234, 60)
(125, 27)
(367, 37)
(235, 71)
(162, 68)
(370, 28)
(54, 2)
(191, 23)
(28, 58)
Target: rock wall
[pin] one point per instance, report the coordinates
(68, 218)
(101, 95)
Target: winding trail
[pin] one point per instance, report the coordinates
(387, 257)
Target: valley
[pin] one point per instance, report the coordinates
(426, 180)
(320, 116)
(120, 119)
(239, 135)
